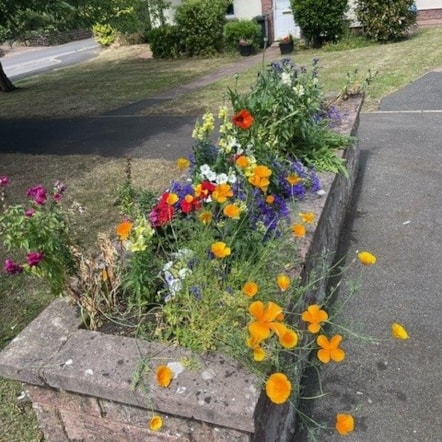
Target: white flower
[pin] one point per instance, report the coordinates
(167, 266)
(222, 178)
(286, 78)
(299, 90)
(205, 169)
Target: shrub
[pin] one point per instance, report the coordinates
(105, 35)
(165, 42)
(385, 21)
(237, 30)
(320, 20)
(201, 25)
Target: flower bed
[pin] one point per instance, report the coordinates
(222, 243)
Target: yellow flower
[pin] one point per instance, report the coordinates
(155, 423)
(124, 229)
(250, 289)
(330, 349)
(315, 316)
(298, 230)
(232, 211)
(398, 331)
(283, 282)
(265, 317)
(222, 192)
(183, 163)
(205, 217)
(258, 352)
(164, 375)
(307, 217)
(220, 249)
(278, 388)
(344, 424)
(367, 258)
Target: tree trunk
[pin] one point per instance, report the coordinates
(5, 82)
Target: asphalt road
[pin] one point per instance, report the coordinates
(27, 62)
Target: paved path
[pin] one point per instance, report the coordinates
(394, 388)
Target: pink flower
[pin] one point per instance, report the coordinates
(29, 213)
(4, 181)
(12, 267)
(38, 194)
(34, 258)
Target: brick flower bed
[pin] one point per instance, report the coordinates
(90, 386)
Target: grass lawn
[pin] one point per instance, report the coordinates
(125, 75)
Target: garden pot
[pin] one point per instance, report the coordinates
(286, 48)
(245, 50)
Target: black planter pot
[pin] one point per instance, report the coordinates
(245, 50)
(286, 48)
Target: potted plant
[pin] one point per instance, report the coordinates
(286, 44)
(245, 47)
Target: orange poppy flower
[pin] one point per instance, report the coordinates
(293, 180)
(265, 316)
(164, 375)
(242, 161)
(307, 217)
(330, 349)
(155, 423)
(344, 424)
(278, 388)
(220, 249)
(172, 198)
(124, 229)
(398, 331)
(250, 289)
(205, 217)
(243, 119)
(270, 199)
(232, 211)
(367, 258)
(283, 282)
(298, 230)
(259, 353)
(289, 339)
(222, 192)
(315, 316)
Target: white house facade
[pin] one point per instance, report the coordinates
(279, 18)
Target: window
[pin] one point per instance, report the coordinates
(230, 10)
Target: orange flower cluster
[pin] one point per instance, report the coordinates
(260, 177)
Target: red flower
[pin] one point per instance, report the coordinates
(161, 214)
(243, 119)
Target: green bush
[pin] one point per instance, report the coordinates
(105, 35)
(237, 30)
(201, 24)
(320, 20)
(385, 20)
(165, 42)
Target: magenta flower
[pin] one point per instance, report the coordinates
(34, 258)
(12, 267)
(57, 197)
(38, 194)
(29, 213)
(4, 181)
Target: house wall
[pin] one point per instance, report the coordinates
(428, 4)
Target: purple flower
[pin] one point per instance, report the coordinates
(34, 258)
(38, 194)
(4, 181)
(59, 187)
(29, 213)
(12, 267)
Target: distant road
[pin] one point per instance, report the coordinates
(28, 62)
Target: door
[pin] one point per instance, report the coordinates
(284, 21)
